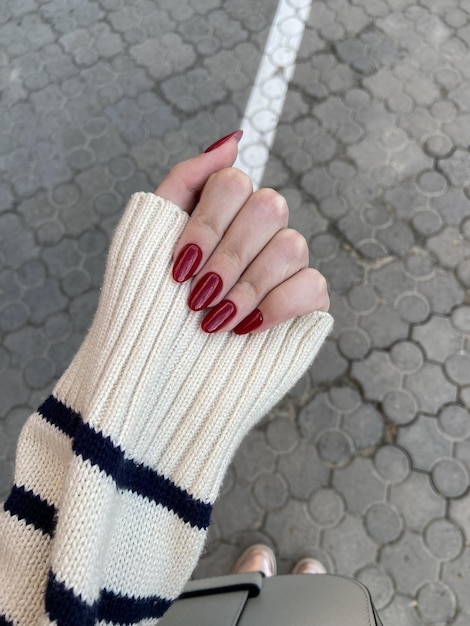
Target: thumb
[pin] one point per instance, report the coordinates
(185, 181)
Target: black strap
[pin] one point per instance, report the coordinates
(251, 582)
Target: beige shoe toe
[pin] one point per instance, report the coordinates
(256, 558)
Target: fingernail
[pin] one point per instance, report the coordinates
(219, 316)
(250, 323)
(187, 262)
(205, 291)
(237, 135)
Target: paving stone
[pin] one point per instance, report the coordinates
(352, 547)
(444, 539)
(454, 421)
(363, 298)
(464, 396)
(354, 344)
(13, 394)
(39, 373)
(270, 491)
(254, 457)
(392, 464)
(407, 561)
(407, 356)
(293, 528)
(379, 583)
(463, 272)
(450, 477)
(61, 258)
(4, 359)
(411, 439)
(431, 388)
(455, 575)
(333, 366)
(344, 398)
(318, 416)
(17, 243)
(358, 484)
(450, 247)
(326, 507)
(401, 611)
(365, 426)
(456, 167)
(453, 206)
(438, 146)
(438, 339)
(335, 448)
(417, 501)
(436, 603)
(412, 307)
(390, 281)
(49, 233)
(383, 523)
(303, 470)
(457, 368)
(237, 512)
(281, 435)
(400, 405)
(75, 282)
(461, 318)
(13, 316)
(377, 375)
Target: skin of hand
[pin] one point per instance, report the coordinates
(244, 261)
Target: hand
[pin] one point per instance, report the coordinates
(244, 261)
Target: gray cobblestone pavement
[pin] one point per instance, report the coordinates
(366, 464)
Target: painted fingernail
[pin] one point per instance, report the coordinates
(219, 316)
(250, 323)
(205, 291)
(187, 262)
(237, 135)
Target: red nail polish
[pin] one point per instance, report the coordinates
(205, 291)
(250, 323)
(187, 262)
(237, 135)
(219, 316)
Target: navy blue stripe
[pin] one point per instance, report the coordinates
(124, 610)
(31, 508)
(4, 621)
(64, 607)
(60, 415)
(127, 474)
(67, 609)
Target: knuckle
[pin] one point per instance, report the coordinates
(232, 179)
(273, 204)
(294, 245)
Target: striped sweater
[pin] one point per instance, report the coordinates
(117, 471)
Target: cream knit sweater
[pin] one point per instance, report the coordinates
(117, 471)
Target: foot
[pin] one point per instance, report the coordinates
(256, 558)
(308, 566)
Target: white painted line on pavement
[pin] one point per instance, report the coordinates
(266, 101)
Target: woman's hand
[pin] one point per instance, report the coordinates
(244, 261)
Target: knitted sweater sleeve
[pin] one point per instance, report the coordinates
(117, 471)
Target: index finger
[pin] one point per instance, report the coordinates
(185, 181)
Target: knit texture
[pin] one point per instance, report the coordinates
(117, 471)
